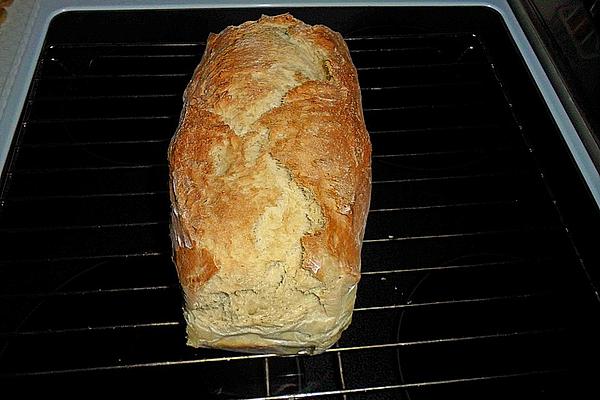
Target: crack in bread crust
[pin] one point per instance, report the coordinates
(270, 185)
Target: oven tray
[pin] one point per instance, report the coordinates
(472, 284)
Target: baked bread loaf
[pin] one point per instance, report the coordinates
(270, 185)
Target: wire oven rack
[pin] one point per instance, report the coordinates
(469, 277)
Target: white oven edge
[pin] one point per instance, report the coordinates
(14, 92)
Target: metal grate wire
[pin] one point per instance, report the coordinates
(459, 211)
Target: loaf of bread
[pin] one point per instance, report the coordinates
(270, 184)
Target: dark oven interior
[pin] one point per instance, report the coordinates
(479, 266)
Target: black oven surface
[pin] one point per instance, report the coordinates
(478, 267)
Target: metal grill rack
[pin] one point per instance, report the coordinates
(470, 280)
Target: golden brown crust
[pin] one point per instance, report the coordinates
(270, 188)
(335, 168)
